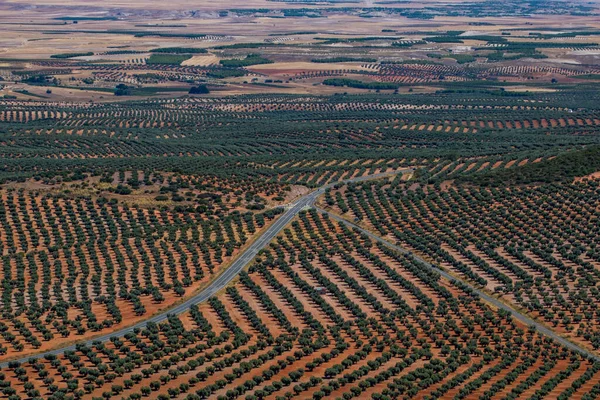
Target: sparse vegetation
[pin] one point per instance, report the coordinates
(251, 59)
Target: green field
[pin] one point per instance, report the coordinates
(160, 58)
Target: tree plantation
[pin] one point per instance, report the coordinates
(298, 199)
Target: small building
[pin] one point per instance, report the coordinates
(321, 290)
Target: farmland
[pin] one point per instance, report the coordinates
(298, 199)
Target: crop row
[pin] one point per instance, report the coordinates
(535, 246)
(323, 313)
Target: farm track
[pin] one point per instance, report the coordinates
(220, 282)
(484, 296)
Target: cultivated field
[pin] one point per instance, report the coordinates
(298, 199)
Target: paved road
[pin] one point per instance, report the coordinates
(487, 298)
(227, 276)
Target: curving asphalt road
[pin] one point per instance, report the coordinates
(226, 276)
(487, 298)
